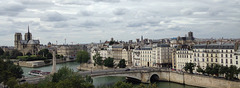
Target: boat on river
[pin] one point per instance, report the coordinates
(38, 73)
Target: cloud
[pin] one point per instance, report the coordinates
(53, 17)
(120, 11)
(74, 2)
(86, 13)
(11, 8)
(111, 1)
(114, 18)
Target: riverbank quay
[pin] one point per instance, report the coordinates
(38, 63)
(198, 80)
(173, 76)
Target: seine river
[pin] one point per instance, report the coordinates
(100, 81)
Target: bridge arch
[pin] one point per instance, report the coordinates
(154, 78)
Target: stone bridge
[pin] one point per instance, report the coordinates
(145, 76)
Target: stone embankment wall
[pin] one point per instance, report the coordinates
(198, 80)
(38, 63)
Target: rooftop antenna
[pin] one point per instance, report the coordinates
(65, 41)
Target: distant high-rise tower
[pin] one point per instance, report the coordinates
(28, 35)
(141, 38)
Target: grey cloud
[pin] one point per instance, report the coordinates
(11, 8)
(74, 2)
(89, 24)
(53, 17)
(120, 11)
(135, 24)
(86, 13)
(111, 1)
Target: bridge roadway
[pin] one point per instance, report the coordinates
(117, 71)
(110, 72)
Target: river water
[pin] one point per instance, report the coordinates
(100, 81)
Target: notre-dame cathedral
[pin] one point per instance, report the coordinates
(28, 45)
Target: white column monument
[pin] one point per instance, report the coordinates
(54, 62)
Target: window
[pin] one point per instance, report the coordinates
(226, 61)
(236, 62)
(211, 55)
(236, 57)
(202, 55)
(211, 60)
(221, 60)
(198, 55)
(230, 61)
(207, 59)
(221, 55)
(231, 55)
(203, 59)
(216, 60)
(226, 55)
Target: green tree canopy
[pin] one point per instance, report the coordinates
(199, 69)
(43, 52)
(9, 70)
(122, 63)
(49, 56)
(98, 59)
(82, 56)
(1, 51)
(189, 67)
(14, 53)
(108, 62)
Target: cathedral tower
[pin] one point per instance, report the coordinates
(28, 35)
(18, 38)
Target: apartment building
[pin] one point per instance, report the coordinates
(207, 54)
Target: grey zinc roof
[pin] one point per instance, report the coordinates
(214, 46)
(163, 45)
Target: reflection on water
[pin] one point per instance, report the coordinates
(72, 65)
(110, 80)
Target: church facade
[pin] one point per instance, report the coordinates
(28, 45)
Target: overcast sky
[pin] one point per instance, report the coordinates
(86, 21)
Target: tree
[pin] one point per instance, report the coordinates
(1, 51)
(98, 59)
(122, 63)
(62, 74)
(189, 67)
(43, 52)
(199, 69)
(109, 62)
(15, 53)
(49, 56)
(223, 70)
(216, 69)
(121, 84)
(9, 70)
(82, 56)
(12, 82)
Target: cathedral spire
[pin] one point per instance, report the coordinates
(29, 35)
(28, 28)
